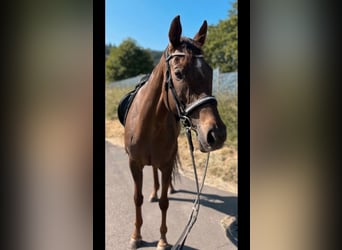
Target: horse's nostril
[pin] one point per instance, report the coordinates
(211, 137)
(179, 74)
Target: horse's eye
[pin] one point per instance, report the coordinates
(178, 74)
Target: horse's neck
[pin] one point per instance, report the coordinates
(154, 90)
(156, 79)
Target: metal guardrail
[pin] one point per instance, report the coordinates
(225, 82)
(126, 82)
(222, 82)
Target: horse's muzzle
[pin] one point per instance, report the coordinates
(212, 138)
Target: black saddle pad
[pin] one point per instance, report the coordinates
(127, 100)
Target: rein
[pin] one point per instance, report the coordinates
(183, 114)
(196, 205)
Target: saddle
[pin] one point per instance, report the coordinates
(126, 101)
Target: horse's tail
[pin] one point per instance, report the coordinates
(176, 165)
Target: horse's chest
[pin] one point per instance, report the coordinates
(153, 149)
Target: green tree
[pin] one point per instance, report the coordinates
(221, 44)
(108, 48)
(156, 55)
(127, 60)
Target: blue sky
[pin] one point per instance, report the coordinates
(148, 21)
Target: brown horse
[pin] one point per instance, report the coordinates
(179, 89)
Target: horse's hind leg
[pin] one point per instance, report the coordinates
(154, 194)
(164, 205)
(136, 170)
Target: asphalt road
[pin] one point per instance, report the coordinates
(207, 233)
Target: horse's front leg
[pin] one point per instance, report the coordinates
(136, 170)
(164, 205)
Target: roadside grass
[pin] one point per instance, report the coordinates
(227, 107)
(113, 97)
(222, 170)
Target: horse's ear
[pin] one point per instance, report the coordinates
(175, 31)
(201, 34)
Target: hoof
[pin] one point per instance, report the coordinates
(162, 245)
(154, 198)
(167, 247)
(135, 244)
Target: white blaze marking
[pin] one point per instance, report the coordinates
(198, 65)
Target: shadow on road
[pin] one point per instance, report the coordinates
(223, 204)
(154, 244)
(148, 244)
(232, 232)
(189, 248)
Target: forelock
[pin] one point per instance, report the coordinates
(191, 45)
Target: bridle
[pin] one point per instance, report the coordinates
(183, 114)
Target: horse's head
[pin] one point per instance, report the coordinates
(188, 86)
